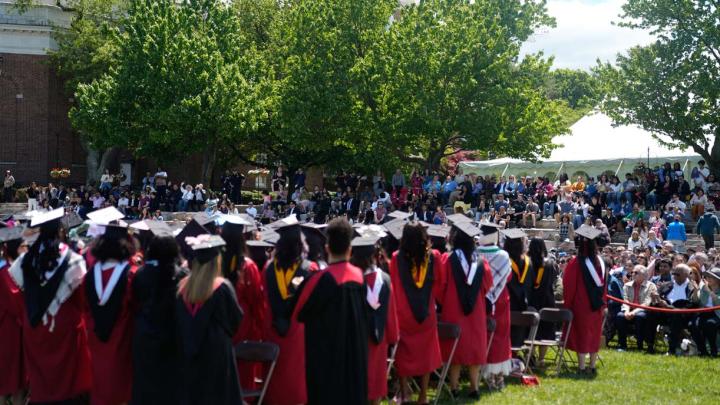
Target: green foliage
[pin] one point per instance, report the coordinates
(185, 80)
(85, 49)
(671, 87)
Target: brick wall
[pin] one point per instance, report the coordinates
(35, 132)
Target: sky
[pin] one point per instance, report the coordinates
(584, 33)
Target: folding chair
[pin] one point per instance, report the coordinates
(446, 331)
(526, 319)
(260, 352)
(391, 360)
(557, 316)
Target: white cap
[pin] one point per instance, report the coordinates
(105, 216)
(44, 217)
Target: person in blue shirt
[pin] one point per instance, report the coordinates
(447, 188)
(615, 289)
(676, 234)
(707, 226)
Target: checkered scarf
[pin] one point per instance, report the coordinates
(499, 262)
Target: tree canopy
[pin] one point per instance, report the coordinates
(337, 83)
(671, 87)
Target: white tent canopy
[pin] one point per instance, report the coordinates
(593, 147)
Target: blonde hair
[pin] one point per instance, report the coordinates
(199, 285)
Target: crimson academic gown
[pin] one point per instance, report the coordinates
(248, 289)
(12, 377)
(110, 331)
(586, 329)
(383, 331)
(418, 351)
(280, 326)
(332, 308)
(464, 305)
(56, 352)
(500, 348)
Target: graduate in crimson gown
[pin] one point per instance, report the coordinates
(242, 273)
(282, 278)
(109, 317)
(55, 344)
(381, 315)
(468, 280)
(332, 307)
(584, 294)
(208, 316)
(416, 272)
(498, 299)
(154, 345)
(13, 381)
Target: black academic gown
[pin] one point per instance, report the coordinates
(207, 360)
(155, 364)
(519, 295)
(543, 296)
(332, 307)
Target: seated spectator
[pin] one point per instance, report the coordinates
(653, 242)
(440, 216)
(680, 293)
(705, 327)
(565, 207)
(698, 201)
(566, 229)
(675, 206)
(631, 218)
(251, 210)
(501, 202)
(638, 291)
(531, 211)
(579, 186)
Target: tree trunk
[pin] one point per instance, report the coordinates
(92, 161)
(713, 161)
(208, 165)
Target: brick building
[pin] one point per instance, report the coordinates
(35, 133)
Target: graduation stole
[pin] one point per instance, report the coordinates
(284, 277)
(516, 270)
(593, 282)
(419, 273)
(106, 304)
(419, 297)
(467, 285)
(538, 278)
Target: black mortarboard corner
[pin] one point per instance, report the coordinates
(467, 228)
(153, 227)
(71, 221)
(105, 216)
(234, 222)
(260, 244)
(398, 214)
(193, 228)
(395, 228)
(207, 221)
(365, 242)
(11, 234)
(438, 231)
(458, 218)
(313, 230)
(205, 247)
(270, 236)
(513, 233)
(589, 232)
(286, 224)
(488, 228)
(116, 230)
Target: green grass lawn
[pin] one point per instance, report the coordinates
(626, 378)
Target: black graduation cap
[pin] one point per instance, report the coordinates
(203, 219)
(438, 231)
(395, 228)
(193, 228)
(71, 221)
(270, 236)
(105, 216)
(371, 230)
(467, 228)
(513, 233)
(288, 223)
(117, 230)
(158, 228)
(313, 230)
(364, 242)
(458, 218)
(259, 244)
(11, 234)
(5, 217)
(489, 228)
(205, 247)
(588, 232)
(47, 217)
(398, 214)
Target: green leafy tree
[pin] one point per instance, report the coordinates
(671, 87)
(449, 79)
(186, 80)
(85, 52)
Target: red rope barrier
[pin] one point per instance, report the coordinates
(665, 310)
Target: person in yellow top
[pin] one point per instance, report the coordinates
(579, 185)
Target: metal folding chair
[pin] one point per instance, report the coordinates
(531, 320)
(557, 316)
(391, 360)
(258, 352)
(446, 331)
